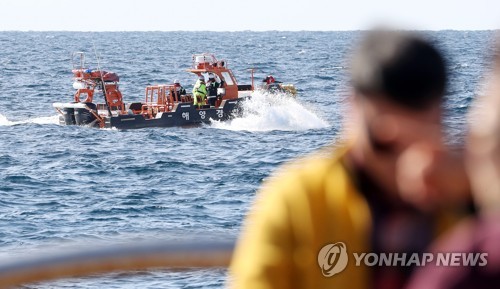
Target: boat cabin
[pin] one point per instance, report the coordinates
(206, 64)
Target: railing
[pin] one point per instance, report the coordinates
(116, 258)
(207, 61)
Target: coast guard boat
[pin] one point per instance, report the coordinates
(163, 106)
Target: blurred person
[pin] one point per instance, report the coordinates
(351, 193)
(476, 238)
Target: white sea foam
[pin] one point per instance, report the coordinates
(267, 112)
(54, 119)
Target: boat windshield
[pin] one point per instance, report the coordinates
(227, 78)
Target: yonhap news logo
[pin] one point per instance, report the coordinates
(333, 259)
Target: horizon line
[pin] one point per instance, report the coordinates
(247, 30)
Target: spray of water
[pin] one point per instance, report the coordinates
(4, 121)
(273, 111)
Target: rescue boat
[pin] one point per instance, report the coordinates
(163, 105)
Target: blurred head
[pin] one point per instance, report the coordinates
(177, 82)
(483, 145)
(399, 80)
(401, 68)
(201, 78)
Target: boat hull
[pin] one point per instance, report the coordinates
(183, 114)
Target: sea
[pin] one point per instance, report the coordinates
(86, 186)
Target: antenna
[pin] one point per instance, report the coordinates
(102, 78)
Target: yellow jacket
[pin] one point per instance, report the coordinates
(310, 204)
(199, 93)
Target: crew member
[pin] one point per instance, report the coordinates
(272, 85)
(199, 92)
(269, 79)
(179, 90)
(212, 86)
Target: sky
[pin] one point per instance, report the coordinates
(256, 15)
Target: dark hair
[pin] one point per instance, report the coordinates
(401, 67)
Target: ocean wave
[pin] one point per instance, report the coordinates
(54, 119)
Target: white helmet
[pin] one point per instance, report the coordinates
(176, 81)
